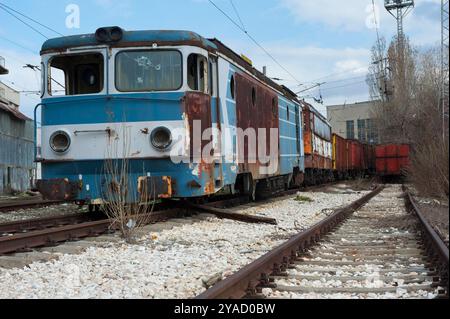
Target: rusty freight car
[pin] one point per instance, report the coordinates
(318, 148)
(341, 163)
(392, 160)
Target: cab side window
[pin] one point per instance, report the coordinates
(198, 73)
(76, 74)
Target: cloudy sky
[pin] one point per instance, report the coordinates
(315, 40)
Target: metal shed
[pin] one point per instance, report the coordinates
(16, 149)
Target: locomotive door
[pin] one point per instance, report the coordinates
(213, 86)
(297, 129)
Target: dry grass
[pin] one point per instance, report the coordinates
(413, 114)
(429, 169)
(128, 209)
(303, 199)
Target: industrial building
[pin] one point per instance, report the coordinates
(354, 121)
(16, 142)
(3, 69)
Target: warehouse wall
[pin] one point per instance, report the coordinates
(339, 115)
(16, 153)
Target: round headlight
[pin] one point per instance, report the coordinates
(60, 142)
(115, 34)
(161, 138)
(101, 35)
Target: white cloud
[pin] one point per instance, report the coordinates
(422, 24)
(351, 66)
(348, 14)
(310, 64)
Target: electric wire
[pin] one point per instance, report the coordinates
(27, 24)
(238, 15)
(31, 19)
(255, 41)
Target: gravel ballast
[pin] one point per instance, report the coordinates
(177, 263)
(41, 212)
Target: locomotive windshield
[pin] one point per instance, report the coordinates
(155, 70)
(76, 74)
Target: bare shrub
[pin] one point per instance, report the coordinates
(429, 169)
(410, 112)
(126, 203)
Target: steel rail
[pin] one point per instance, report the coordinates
(46, 222)
(435, 247)
(42, 223)
(52, 236)
(256, 275)
(29, 203)
(226, 214)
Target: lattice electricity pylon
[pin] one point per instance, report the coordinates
(444, 65)
(399, 9)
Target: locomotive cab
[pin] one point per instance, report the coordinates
(171, 106)
(131, 96)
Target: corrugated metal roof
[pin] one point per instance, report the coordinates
(14, 112)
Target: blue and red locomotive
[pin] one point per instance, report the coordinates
(190, 117)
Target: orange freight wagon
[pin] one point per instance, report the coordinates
(341, 164)
(392, 159)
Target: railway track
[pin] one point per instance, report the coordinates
(24, 226)
(377, 247)
(27, 234)
(6, 206)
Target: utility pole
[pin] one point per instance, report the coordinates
(382, 78)
(399, 9)
(444, 65)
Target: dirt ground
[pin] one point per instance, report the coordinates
(437, 215)
(360, 184)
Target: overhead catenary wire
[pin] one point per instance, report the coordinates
(243, 29)
(341, 86)
(21, 88)
(27, 24)
(31, 19)
(254, 41)
(347, 79)
(36, 67)
(18, 45)
(33, 68)
(237, 14)
(314, 85)
(338, 73)
(310, 88)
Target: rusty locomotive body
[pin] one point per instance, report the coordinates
(180, 116)
(190, 118)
